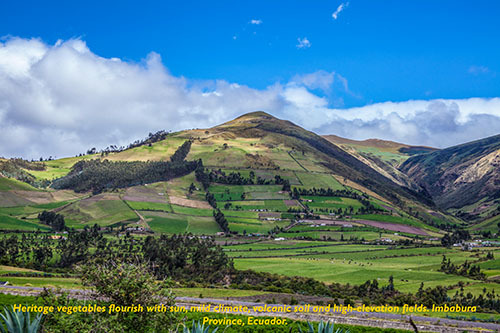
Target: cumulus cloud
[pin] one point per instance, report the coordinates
(438, 123)
(304, 43)
(339, 9)
(256, 22)
(63, 99)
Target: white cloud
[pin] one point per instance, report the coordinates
(322, 80)
(256, 22)
(339, 9)
(62, 99)
(439, 123)
(304, 43)
(318, 80)
(476, 70)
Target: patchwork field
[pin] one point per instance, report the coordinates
(318, 180)
(174, 223)
(356, 264)
(105, 210)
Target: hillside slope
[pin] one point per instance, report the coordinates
(463, 177)
(383, 156)
(305, 146)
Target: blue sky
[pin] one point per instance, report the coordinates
(87, 73)
(387, 50)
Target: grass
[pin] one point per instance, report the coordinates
(202, 225)
(477, 289)
(270, 205)
(192, 211)
(240, 213)
(11, 184)
(337, 235)
(59, 168)
(166, 223)
(102, 212)
(44, 282)
(10, 223)
(354, 264)
(252, 226)
(393, 219)
(175, 223)
(337, 248)
(267, 195)
(490, 224)
(252, 192)
(318, 180)
(29, 210)
(11, 269)
(267, 245)
(332, 202)
(353, 273)
(491, 267)
(142, 205)
(225, 188)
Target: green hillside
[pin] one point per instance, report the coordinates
(463, 179)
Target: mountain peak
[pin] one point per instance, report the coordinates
(249, 119)
(255, 114)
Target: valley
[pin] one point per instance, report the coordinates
(275, 199)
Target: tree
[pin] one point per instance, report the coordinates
(390, 286)
(122, 283)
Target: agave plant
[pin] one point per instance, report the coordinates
(198, 328)
(323, 327)
(19, 322)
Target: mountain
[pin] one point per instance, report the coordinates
(299, 144)
(367, 182)
(464, 179)
(383, 156)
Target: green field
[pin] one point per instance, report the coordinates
(353, 273)
(490, 224)
(240, 213)
(318, 180)
(477, 289)
(10, 184)
(55, 282)
(192, 211)
(29, 210)
(142, 205)
(175, 223)
(10, 223)
(269, 205)
(331, 202)
(354, 264)
(309, 251)
(102, 212)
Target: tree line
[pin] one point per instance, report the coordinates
(206, 176)
(99, 175)
(465, 269)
